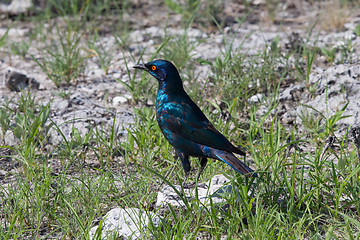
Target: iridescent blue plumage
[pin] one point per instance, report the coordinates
(185, 126)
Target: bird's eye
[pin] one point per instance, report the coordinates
(153, 68)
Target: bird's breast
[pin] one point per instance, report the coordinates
(161, 98)
(166, 104)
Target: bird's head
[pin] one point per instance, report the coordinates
(164, 71)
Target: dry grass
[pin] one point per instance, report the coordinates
(334, 15)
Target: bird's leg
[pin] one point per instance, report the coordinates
(186, 166)
(203, 162)
(184, 181)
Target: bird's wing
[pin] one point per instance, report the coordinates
(188, 121)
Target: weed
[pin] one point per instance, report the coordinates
(5, 118)
(184, 50)
(102, 52)
(63, 93)
(20, 48)
(187, 9)
(346, 51)
(272, 8)
(140, 91)
(357, 30)
(31, 127)
(3, 37)
(66, 63)
(108, 144)
(321, 125)
(85, 9)
(330, 53)
(137, 89)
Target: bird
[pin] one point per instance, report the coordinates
(186, 127)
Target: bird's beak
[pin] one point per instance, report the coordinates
(141, 66)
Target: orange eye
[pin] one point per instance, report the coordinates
(153, 68)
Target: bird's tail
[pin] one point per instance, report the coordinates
(233, 162)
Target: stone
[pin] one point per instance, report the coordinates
(130, 223)
(17, 81)
(292, 93)
(214, 189)
(256, 98)
(14, 33)
(61, 105)
(16, 7)
(95, 73)
(119, 100)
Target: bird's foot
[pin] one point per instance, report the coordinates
(202, 185)
(193, 184)
(188, 185)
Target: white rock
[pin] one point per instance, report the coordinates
(130, 223)
(119, 100)
(214, 189)
(16, 6)
(14, 32)
(61, 104)
(95, 73)
(256, 98)
(292, 93)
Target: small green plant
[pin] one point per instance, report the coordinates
(30, 120)
(108, 143)
(63, 93)
(67, 7)
(145, 124)
(5, 118)
(272, 7)
(104, 53)
(357, 30)
(63, 64)
(3, 37)
(346, 51)
(85, 9)
(310, 120)
(329, 53)
(310, 57)
(214, 10)
(184, 50)
(37, 124)
(320, 125)
(20, 48)
(202, 12)
(187, 9)
(140, 91)
(226, 70)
